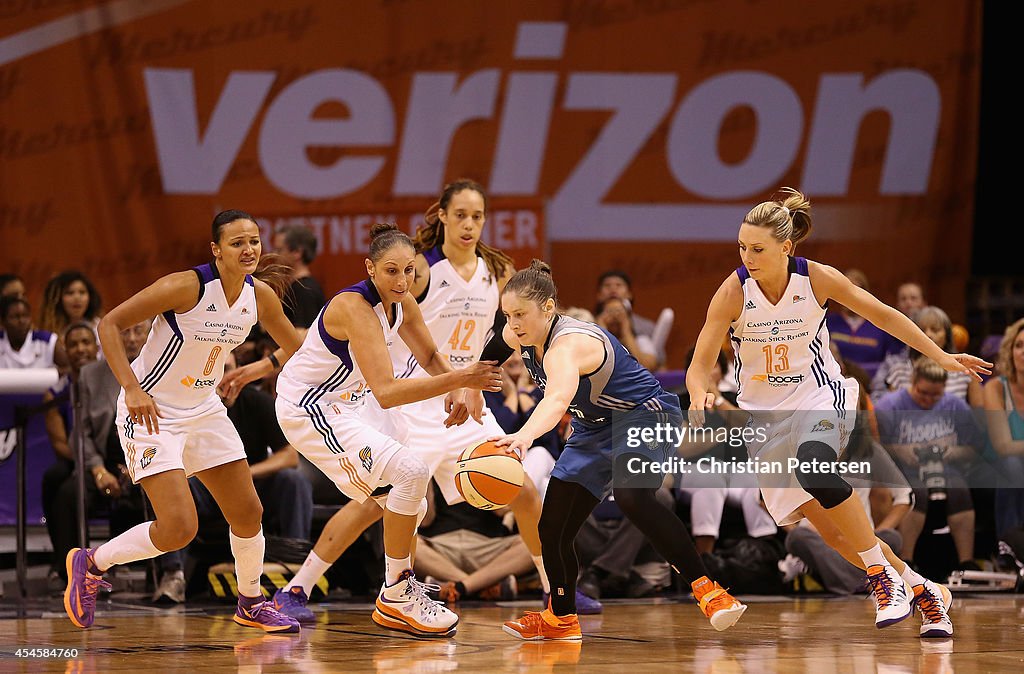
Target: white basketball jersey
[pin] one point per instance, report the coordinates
(323, 371)
(459, 314)
(183, 359)
(782, 350)
(36, 352)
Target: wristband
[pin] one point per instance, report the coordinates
(274, 362)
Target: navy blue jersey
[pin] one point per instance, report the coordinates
(619, 384)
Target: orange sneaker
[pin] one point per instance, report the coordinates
(448, 593)
(545, 626)
(717, 604)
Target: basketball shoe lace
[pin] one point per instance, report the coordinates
(532, 621)
(716, 600)
(268, 608)
(93, 584)
(417, 592)
(881, 584)
(931, 607)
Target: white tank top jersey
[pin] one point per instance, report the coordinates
(323, 371)
(782, 350)
(459, 314)
(183, 359)
(36, 352)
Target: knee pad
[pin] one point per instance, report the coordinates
(408, 476)
(828, 489)
(422, 512)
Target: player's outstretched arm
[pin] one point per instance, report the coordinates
(830, 283)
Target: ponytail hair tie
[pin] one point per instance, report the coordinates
(785, 210)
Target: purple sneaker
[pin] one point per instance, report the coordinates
(83, 585)
(254, 612)
(292, 603)
(584, 604)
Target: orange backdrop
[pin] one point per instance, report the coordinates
(609, 133)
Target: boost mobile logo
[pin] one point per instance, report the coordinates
(777, 380)
(192, 382)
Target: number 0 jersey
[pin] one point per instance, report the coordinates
(459, 314)
(782, 354)
(183, 359)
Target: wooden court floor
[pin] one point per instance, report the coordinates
(776, 635)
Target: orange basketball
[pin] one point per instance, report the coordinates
(487, 477)
(960, 337)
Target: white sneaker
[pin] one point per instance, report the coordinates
(171, 589)
(791, 567)
(894, 597)
(406, 606)
(933, 601)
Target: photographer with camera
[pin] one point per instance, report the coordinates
(933, 437)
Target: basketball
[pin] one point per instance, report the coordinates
(487, 477)
(960, 337)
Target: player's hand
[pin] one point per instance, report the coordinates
(697, 407)
(966, 363)
(475, 406)
(482, 375)
(233, 381)
(515, 444)
(108, 485)
(455, 406)
(142, 409)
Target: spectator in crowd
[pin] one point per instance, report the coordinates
(813, 551)
(860, 341)
(297, 246)
(923, 424)
(286, 494)
(708, 493)
(615, 316)
(1004, 402)
(11, 285)
(70, 297)
(615, 556)
(512, 407)
(82, 348)
(469, 552)
(22, 347)
(580, 314)
(617, 284)
(910, 299)
(895, 371)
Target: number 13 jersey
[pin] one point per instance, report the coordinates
(782, 352)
